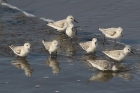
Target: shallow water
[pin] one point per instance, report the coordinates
(69, 72)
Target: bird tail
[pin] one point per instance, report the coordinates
(81, 44)
(102, 30)
(11, 46)
(43, 41)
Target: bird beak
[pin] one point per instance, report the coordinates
(122, 35)
(75, 21)
(5, 1)
(132, 52)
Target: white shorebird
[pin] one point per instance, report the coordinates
(71, 31)
(51, 46)
(61, 25)
(113, 33)
(89, 46)
(103, 65)
(21, 51)
(118, 55)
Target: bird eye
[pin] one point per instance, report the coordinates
(128, 49)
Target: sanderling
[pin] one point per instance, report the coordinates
(51, 46)
(118, 55)
(89, 46)
(62, 24)
(103, 65)
(113, 33)
(71, 31)
(21, 51)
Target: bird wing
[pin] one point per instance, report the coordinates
(59, 23)
(16, 49)
(47, 44)
(114, 53)
(101, 63)
(109, 31)
(85, 45)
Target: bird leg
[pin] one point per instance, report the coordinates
(16, 56)
(76, 32)
(104, 40)
(94, 53)
(87, 54)
(62, 33)
(51, 55)
(71, 40)
(116, 62)
(24, 57)
(56, 54)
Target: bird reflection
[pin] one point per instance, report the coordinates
(127, 76)
(54, 64)
(67, 47)
(23, 64)
(102, 76)
(70, 49)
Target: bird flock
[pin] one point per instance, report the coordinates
(67, 26)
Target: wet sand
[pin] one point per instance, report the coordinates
(69, 72)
